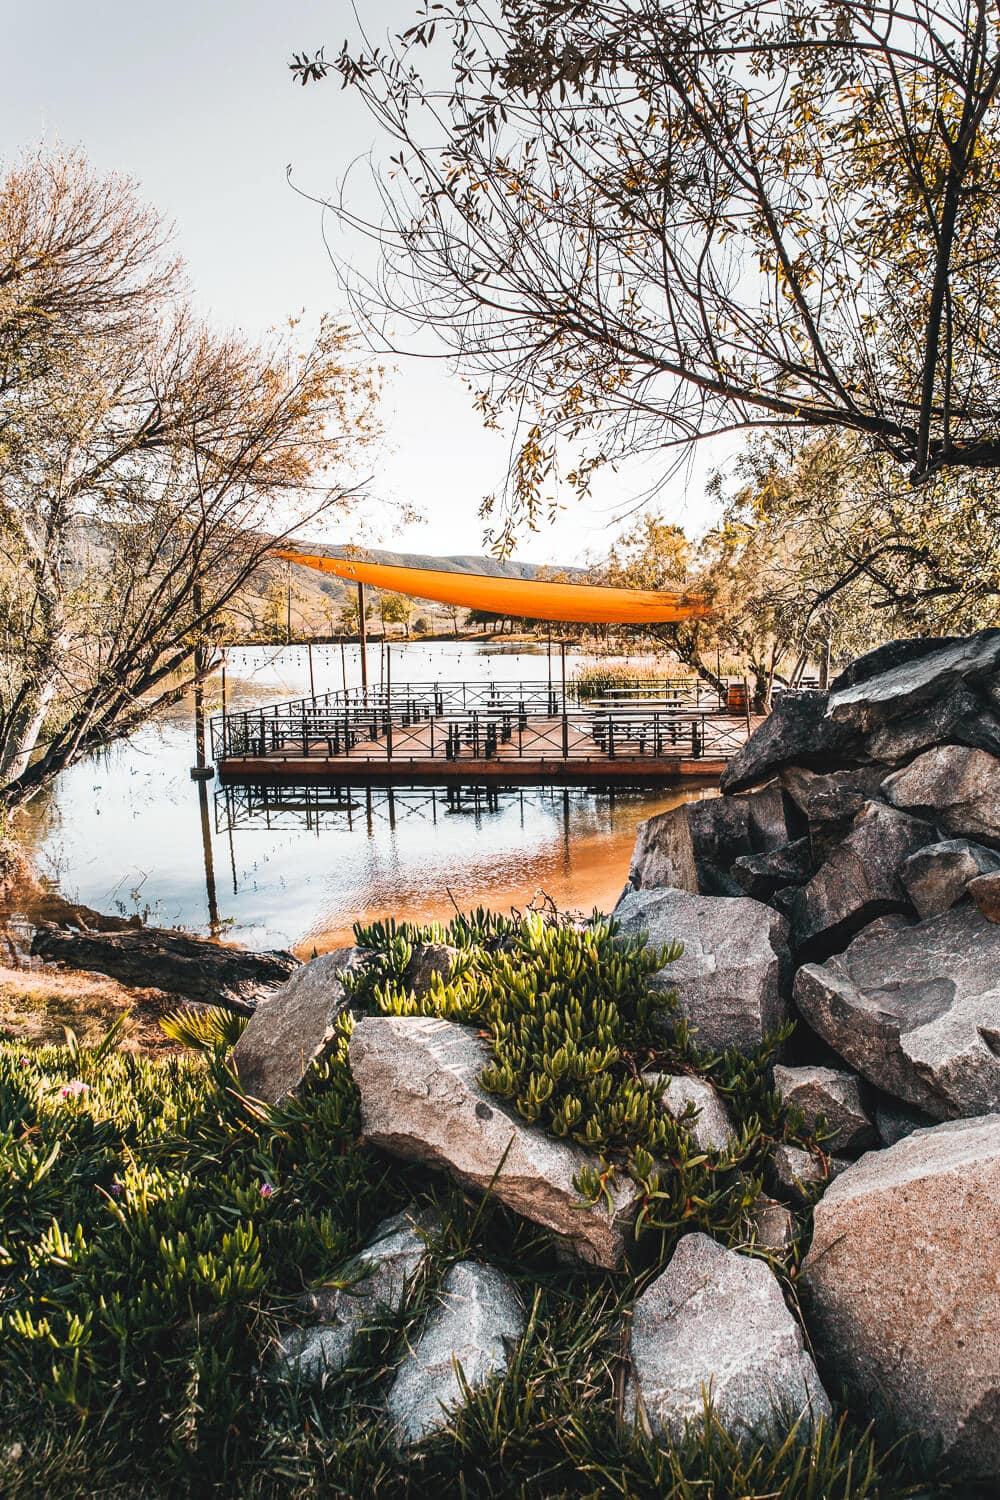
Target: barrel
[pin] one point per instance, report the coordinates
(736, 698)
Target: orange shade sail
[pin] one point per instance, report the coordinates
(524, 598)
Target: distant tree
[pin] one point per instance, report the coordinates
(396, 609)
(642, 222)
(146, 464)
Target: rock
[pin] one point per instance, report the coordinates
(900, 678)
(860, 880)
(732, 975)
(961, 716)
(834, 798)
(797, 731)
(479, 1315)
(985, 893)
(894, 1121)
(957, 787)
(194, 968)
(295, 1027)
(773, 1225)
(832, 1094)
(916, 1010)
(378, 1280)
(421, 1098)
(712, 1126)
(429, 961)
(901, 1288)
(691, 847)
(761, 874)
(798, 1174)
(937, 875)
(715, 1324)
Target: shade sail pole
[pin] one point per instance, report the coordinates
(363, 638)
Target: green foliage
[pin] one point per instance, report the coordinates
(205, 1030)
(595, 680)
(156, 1227)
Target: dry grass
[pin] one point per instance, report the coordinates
(36, 1007)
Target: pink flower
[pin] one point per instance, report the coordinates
(266, 1189)
(74, 1089)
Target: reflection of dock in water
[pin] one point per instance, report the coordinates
(464, 734)
(240, 806)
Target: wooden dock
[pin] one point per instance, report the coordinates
(428, 743)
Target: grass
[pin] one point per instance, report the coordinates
(156, 1228)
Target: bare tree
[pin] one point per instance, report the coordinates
(146, 465)
(648, 221)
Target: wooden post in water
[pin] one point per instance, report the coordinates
(364, 641)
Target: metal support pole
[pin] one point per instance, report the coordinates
(312, 679)
(565, 721)
(388, 698)
(364, 640)
(343, 668)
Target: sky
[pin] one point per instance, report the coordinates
(195, 101)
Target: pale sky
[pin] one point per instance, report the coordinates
(195, 100)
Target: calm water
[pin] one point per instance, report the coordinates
(125, 832)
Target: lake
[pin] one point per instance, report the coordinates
(127, 832)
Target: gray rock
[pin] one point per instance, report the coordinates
(479, 1315)
(760, 875)
(901, 1287)
(691, 847)
(715, 1324)
(880, 688)
(961, 716)
(798, 1174)
(295, 1027)
(378, 1279)
(421, 1098)
(797, 731)
(916, 1011)
(985, 894)
(773, 1225)
(833, 798)
(832, 1094)
(429, 961)
(895, 1121)
(732, 975)
(937, 875)
(860, 880)
(775, 821)
(712, 1126)
(957, 787)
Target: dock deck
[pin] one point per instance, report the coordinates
(458, 734)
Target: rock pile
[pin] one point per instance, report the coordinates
(863, 826)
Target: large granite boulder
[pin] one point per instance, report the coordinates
(421, 1098)
(376, 1281)
(961, 716)
(693, 847)
(731, 979)
(959, 788)
(836, 797)
(916, 1010)
(295, 1027)
(901, 1288)
(936, 876)
(860, 880)
(709, 1121)
(714, 1324)
(797, 731)
(896, 680)
(466, 1339)
(830, 1094)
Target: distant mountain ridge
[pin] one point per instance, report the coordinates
(491, 567)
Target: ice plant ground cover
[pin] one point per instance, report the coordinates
(156, 1228)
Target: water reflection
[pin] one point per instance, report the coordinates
(296, 867)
